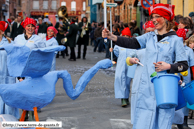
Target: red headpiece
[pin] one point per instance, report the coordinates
(52, 28)
(182, 33)
(3, 25)
(164, 10)
(126, 31)
(148, 24)
(28, 21)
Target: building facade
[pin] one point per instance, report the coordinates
(76, 8)
(182, 7)
(39, 8)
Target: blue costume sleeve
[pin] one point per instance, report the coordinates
(143, 40)
(116, 50)
(191, 58)
(180, 54)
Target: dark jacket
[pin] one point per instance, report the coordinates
(98, 32)
(7, 30)
(42, 28)
(85, 39)
(71, 36)
(16, 30)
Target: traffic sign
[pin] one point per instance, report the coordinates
(111, 4)
(147, 3)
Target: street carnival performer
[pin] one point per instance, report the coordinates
(165, 53)
(51, 41)
(29, 39)
(4, 75)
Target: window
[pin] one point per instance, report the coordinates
(45, 4)
(19, 2)
(35, 4)
(73, 6)
(54, 5)
(84, 6)
(63, 3)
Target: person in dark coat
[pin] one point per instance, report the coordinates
(71, 39)
(17, 28)
(84, 29)
(42, 27)
(61, 26)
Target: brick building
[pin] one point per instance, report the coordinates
(76, 8)
(124, 12)
(39, 8)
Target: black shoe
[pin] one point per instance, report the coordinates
(67, 54)
(185, 124)
(180, 126)
(57, 56)
(78, 57)
(84, 58)
(72, 59)
(63, 56)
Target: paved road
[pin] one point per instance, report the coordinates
(96, 108)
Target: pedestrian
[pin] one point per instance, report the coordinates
(17, 28)
(51, 41)
(42, 28)
(92, 33)
(164, 54)
(5, 78)
(62, 28)
(98, 38)
(84, 29)
(71, 39)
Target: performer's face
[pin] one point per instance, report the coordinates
(30, 29)
(50, 33)
(1, 32)
(158, 21)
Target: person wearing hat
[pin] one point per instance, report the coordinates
(51, 41)
(165, 54)
(186, 78)
(4, 75)
(126, 31)
(71, 39)
(42, 28)
(28, 38)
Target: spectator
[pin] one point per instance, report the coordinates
(92, 33)
(131, 24)
(42, 28)
(126, 31)
(17, 28)
(186, 23)
(136, 29)
(98, 37)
